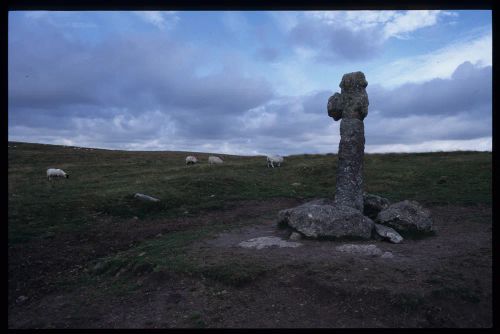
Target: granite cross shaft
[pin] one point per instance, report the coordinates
(351, 105)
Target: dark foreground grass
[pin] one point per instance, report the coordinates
(169, 254)
(104, 181)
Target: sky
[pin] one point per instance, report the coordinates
(248, 82)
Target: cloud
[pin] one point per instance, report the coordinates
(391, 23)
(162, 20)
(134, 72)
(478, 144)
(467, 91)
(475, 48)
(337, 42)
(124, 87)
(356, 35)
(151, 90)
(269, 54)
(402, 24)
(414, 129)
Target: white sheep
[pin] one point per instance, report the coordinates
(214, 160)
(191, 160)
(56, 172)
(274, 159)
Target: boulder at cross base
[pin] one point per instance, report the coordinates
(322, 201)
(406, 217)
(373, 204)
(334, 221)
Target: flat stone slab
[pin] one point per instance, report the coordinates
(366, 250)
(265, 242)
(322, 220)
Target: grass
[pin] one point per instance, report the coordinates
(104, 181)
(168, 253)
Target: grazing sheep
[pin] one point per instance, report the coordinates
(274, 159)
(191, 160)
(214, 160)
(56, 172)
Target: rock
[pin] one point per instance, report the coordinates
(21, 299)
(388, 233)
(349, 188)
(334, 106)
(373, 204)
(295, 236)
(351, 105)
(387, 255)
(366, 250)
(146, 197)
(313, 220)
(406, 217)
(264, 242)
(322, 201)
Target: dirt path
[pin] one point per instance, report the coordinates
(440, 281)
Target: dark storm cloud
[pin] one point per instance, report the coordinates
(440, 109)
(59, 76)
(468, 90)
(415, 129)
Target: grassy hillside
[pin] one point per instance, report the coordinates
(103, 182)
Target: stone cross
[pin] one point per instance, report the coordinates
(351, 105)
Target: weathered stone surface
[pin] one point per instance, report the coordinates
(373, 204)
(366, 250)
(334, 106)
(295, 236)
(313, 220)
(352, 106)
(406, 217)
(321, 201)
(388, 233)
(349, 179)
(264, 242)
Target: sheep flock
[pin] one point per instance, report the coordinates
(272, 161)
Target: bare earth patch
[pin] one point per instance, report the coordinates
(443, 280)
